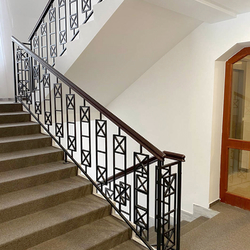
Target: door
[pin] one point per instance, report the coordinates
(235, 156)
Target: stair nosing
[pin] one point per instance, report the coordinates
(18, 124)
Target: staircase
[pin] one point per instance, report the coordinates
(43, 203)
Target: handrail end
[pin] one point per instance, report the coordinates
(175, 156)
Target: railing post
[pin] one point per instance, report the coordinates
(178, 236)
(14, 70)
(159, 177)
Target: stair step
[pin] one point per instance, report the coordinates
(36, 228)
(31, 157)
(193, 224)
(18, 179)
(12, 117)
(99, 235)
(129, 245)
(21, 142)
(21, 128)
(34, 199)
(10, 107)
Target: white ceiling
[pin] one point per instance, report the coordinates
(210, 11)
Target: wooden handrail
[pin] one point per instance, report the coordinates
(128, 130)
(174, 156)
(44, 13)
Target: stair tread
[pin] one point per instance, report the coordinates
(28, 153)
(18, 124)
(22, 227)
(91, 236)
(33, 170)
(38, 192)
(193, 224)
(22, 138)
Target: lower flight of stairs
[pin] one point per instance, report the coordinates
(44, 205)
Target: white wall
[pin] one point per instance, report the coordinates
(16, 18)
(177, 106)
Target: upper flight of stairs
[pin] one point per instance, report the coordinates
(44, 205)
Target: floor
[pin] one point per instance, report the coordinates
(229, 230)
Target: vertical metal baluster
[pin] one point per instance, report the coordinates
(101, 151)
(159, 196)
(74, 18)
(20, 73)
(85, 133)
(62, 12)
(47, 100)
(179, 177)
(36, 75)
(59, 131)
(86, 8)
(14, 70)
(71, 125)
(44, 42)
(120, 148)
(52, 34)
(141, 188)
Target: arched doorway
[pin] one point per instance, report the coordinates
(235, 154)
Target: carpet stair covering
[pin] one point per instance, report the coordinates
(44, 205)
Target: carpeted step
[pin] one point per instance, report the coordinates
(31, 157)
(24, 142)
(103, 234)
(36, 228)
(34, 199)
(129, 245)
(11, 117)
(10, 107)
(21, 128)
(195, 223)
(17, 179)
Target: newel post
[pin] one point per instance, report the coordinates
(159, 205)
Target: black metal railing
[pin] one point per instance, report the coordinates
(103, 146)
(58, 24)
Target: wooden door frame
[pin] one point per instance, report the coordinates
(226, 141)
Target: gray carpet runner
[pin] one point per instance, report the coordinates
(44, 205)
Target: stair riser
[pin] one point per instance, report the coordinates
(19, 130)
(37, 205)
(56, 230)
(114, 241)
(23, 145)
(36, 180)
(14, 118)
(30, 161)
(10, 108)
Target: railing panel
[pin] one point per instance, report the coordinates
(58, 25)
(115, 158)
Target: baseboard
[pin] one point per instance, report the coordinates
(213, 203)
(197, 212)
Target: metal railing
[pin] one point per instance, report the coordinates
(103, 146)
(59, 24)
